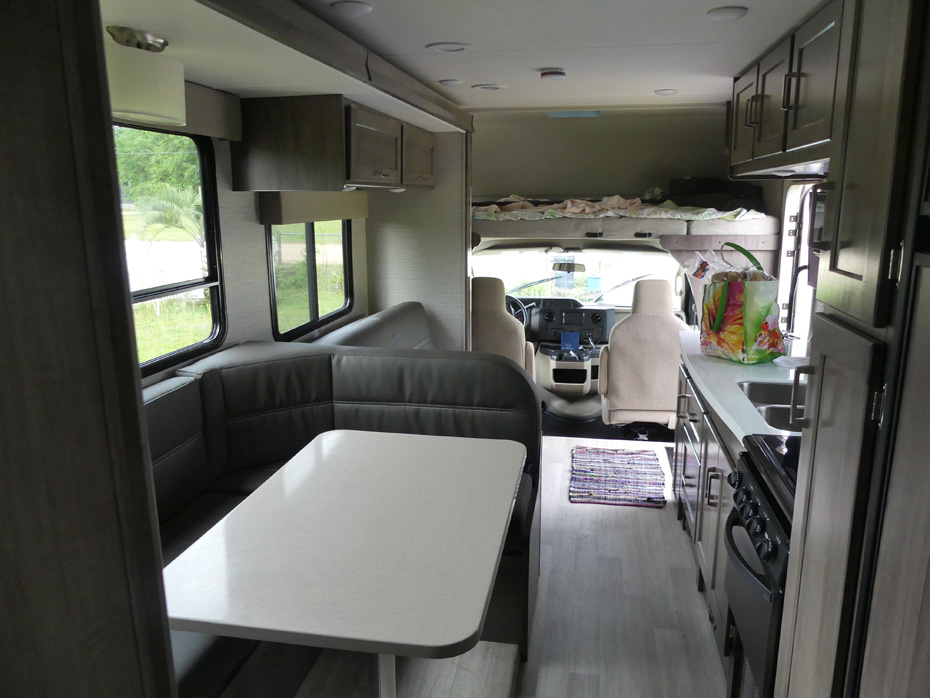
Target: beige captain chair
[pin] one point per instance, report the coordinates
(495, 330)
(638, 378)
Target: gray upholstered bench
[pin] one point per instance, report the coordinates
(227, 422)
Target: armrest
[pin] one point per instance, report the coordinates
(602, 376)
(529, 360)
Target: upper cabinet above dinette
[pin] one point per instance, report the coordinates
(782, 109)
(321, 143)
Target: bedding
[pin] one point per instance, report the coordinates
(515, 208)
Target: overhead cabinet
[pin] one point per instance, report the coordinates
(782, 107)
(320, 143)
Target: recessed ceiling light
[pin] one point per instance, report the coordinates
(725, 14)
(783, 173)
(489, 87)
(667, 92)
(449, 47)
(551, 73)
(351, 8)
(450, 83)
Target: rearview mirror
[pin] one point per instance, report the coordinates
(567, 266)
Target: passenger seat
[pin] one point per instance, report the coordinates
(493, 329)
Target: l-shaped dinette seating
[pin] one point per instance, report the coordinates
(224, 424)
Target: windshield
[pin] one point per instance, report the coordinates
(609, 276)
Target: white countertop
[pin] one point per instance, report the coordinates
(717, 380)
(374, 542)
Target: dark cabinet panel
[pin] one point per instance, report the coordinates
(899, 629)
(290, 144)
(374, 154)
(837, 450)
(742, 134)
(770, 117)
(863, 211)
(811, 84)
(418, 156)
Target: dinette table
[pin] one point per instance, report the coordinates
(368, 541)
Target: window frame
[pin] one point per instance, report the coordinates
(212, 283)
(320, 321)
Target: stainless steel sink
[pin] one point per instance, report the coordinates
(776, 416)
(768, 393)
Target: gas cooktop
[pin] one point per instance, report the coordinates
(776, 458)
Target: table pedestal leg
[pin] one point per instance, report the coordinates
(387, 677)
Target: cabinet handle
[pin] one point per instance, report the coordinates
(786, 91)
(712, 474)
(755, 119)
(385, 174)
(794, 418)
(746, 116)
(816, 192)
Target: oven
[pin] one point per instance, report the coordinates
(756, 536)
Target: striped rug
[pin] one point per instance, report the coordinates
(616, 476)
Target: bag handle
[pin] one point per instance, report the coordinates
(721, 306)
(745, 253)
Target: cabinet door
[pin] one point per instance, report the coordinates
(742, 133)
(418, 156)
(709, 502)
(812, 81)
(374, 147)
(864, 210)
(769, 116)
(898, 631)
(837, 450)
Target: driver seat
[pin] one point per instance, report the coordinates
(493, 329)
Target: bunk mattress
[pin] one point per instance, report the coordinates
(613, 218)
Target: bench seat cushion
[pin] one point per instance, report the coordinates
(198, 517)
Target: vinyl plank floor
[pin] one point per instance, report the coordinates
(618, 613)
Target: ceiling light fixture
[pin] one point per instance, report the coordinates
(666, 92)
(144, 87)
(449, 47)
(450, 83)
(725, 14)
(488, 87)
(350, 8)
(552, 73)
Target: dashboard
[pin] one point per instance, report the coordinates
(549, 317)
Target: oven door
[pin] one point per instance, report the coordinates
(755, 603)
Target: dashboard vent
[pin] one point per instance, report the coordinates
(550, 316)
(596, 317)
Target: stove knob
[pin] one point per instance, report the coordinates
(747, 510)
(766, 550)
(756, 526)
(735, 479)
(741, 495)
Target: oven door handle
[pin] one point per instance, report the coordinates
(741, 565)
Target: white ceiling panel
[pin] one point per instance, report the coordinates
(615, 53)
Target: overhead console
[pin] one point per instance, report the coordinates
(549, 317)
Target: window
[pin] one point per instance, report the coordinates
(609, 276)
(168, 197)
(310, 269)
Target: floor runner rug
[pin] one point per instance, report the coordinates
(616, 476)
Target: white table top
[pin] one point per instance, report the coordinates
(374, 542)
(718, 382)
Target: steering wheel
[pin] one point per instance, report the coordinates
(516, 308)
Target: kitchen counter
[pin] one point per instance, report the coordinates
(717, 380)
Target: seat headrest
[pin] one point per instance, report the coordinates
(487, 293)
(652, 297)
